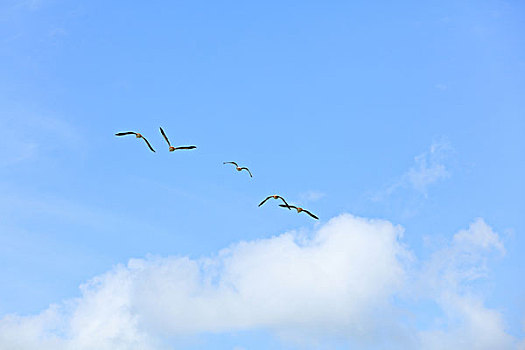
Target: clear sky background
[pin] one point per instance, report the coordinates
(401, 125)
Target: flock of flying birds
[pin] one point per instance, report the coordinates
(237, 167)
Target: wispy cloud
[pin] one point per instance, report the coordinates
(311, 196)
(429, 168)
(341, 280)
(447, 277)
(26, 136)
(31, 5)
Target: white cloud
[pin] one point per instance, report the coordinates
(479, 237)
(311, 196)
(429, 168)
(471, 326)
(447, 276)
(340, 281)
(27, 4)
(464, 259)
(26, 136)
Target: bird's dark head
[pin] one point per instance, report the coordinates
(299, 209)
(172, 148)
(275, 197)
(137, 135)
(238, 168)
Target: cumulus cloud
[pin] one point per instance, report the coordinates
(339, 281)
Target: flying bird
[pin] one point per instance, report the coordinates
(137, 135)
(276, 197)
(239, 168)
(171, 149)
(299, 209)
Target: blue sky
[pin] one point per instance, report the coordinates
(408, 113)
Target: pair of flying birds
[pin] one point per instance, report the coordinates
(286, 205)
(139, 136)
(237, 167)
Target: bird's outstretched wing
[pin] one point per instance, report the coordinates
(288, 206)
(248, 170)
(185, 147)
(264, 201)
(312, 215)
(165, 137)
(125, 133)
(230, 163)
(284, 202)
(151, 148)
